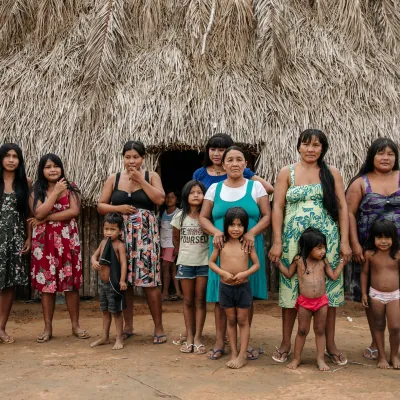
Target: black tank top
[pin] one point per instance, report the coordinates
(138, 198)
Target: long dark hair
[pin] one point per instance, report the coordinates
(233, 213)
(41, 185)
(309, 239)
(330, 200)
(383, 227)
(185, 196)
(20, 183)
(218, 141)
(376, 146)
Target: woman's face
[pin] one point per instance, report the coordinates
(310, 151)
(11, 161)
(51, 171)
(234, 164)
(133, 160)
(384, 160)
(215, 154)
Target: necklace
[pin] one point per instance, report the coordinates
(216, 172)
(308, 271)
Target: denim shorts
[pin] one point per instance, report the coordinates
(188, 272)
(235, 296)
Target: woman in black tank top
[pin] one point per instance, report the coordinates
(135, 193)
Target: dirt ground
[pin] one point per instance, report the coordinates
(67, 368)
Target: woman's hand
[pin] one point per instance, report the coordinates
(136, 176)
(218, 240)
(27, 247)
(60, 186)
(248, 242)
(126, 209)
(34, 222)
(345, 252)
(275, 252)
(358, 254)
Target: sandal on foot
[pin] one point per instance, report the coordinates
(44, 338)
(7, 339)
(252, 354)
(180, 341)
(200, 349)
(81, 335)
(214, 352)
(127, 335)
(174, 297)
(370, 354)
(339, 362)
(187, 348)
(282, 357)
(158, 337)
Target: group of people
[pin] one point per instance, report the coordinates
(217, 244)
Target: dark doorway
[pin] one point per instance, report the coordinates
(177, 167)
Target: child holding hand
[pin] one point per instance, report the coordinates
(311, 267)
(110, 261)
(235, 295)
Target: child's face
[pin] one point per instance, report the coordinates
(236, 229)
(51, 171)
(111, 230)
(196, 196)
(318, 252)
(383, 243)
(170, 199)
(10, 161)
(133, 160)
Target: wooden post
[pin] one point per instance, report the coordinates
(86, 251)
(93, 243)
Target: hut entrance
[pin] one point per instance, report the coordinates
(177, 167)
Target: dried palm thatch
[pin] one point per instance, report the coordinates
(81, 77)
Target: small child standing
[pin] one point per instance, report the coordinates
(235, 295)
(311, 267)
(192, 246)
(168, 255)
(110, 261)
(382, 261)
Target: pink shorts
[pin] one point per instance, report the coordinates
(312, 304)
(167, 254)
(384, 297)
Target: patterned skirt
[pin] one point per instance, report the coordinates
(142, 242)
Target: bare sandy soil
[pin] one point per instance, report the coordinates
(67, 368)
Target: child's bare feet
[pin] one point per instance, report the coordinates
(395, 362)
(100, 342)
(322, 365)
(119, 344)
(383, 364)
(293, 364)
(237, 363)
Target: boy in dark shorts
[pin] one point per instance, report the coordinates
(235, 295)
(110, 261)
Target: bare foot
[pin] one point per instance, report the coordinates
(383, 364)
(395, 362)
(119, 344)
(100, 342)
(237, 363)
(293, 364)
(45, 336)
(322, 365)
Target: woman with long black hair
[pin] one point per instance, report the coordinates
(15, 233)
(309, 194)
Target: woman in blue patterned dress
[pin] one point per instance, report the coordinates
(374, 193)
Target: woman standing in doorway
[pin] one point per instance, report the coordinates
(309, 194)
(134, 193)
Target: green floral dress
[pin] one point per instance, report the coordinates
(13, 265)
(304, 208)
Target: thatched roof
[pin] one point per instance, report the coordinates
(81, 77)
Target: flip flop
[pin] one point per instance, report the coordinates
(128, 335)
(43, 338)
(187, 348)
(174, 297)
(180, 341)
(370, 356)
(158, 337)
(7, 339)
(250, 355)
(199, 349)
(214, 352)
(281, 354)
(81, 335)
(331, 355)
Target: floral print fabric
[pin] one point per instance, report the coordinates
(56, 254)
(304, 208)
(13, 265)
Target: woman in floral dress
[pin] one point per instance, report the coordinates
(309, 194)
(56, 251)
(15, 234)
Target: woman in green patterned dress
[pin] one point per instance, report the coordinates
(15, 234)
(309, 194)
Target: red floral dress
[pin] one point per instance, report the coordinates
(56, 254)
